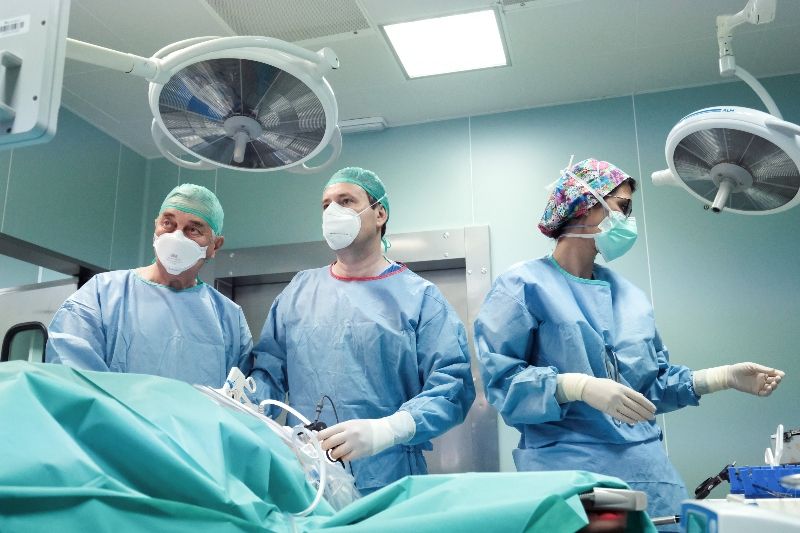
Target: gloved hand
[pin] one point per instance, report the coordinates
(362, 437)
(606, 395)
(746, 377)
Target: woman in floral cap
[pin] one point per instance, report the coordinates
(570, 355)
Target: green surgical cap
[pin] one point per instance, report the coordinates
(366, 179)
(197, 200)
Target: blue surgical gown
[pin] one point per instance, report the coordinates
(539, 320)
(120, 322)
(374, 346)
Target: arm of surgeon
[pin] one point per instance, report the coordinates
(76, 336)
(362, 437)
(447, 393)
(751, 378)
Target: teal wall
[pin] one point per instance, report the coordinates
(80, 194)
(725, 287)
(14, 273)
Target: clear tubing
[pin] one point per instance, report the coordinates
(321, 461)
(323, 466)
(286, 408)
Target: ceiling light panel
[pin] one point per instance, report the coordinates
(443, 45)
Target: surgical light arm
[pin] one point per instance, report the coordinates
(159, 69)
(755, 12)
(108, 58)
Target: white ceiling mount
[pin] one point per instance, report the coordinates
(734, 158)
(755, 12)
(247, 102)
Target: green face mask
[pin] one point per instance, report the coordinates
(617, 233)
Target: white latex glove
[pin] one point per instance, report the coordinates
(746, 377)
(362, 437)
(606, 395)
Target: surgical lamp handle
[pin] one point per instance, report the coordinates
(336, 144)
(787, 128)
(159, 138)
(113, 59)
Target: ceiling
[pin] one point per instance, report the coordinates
(561, 51)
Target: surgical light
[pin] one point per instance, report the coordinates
(454, 43)
(247, 102)
(250, 103)
(734, 158)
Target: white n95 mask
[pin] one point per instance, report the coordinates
(176, 252)
(340, 225)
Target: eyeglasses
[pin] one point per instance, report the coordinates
(625, 205)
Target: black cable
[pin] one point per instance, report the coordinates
(322, 401)
(336, 416)
(319, 425)
(771, 492)
(787, 435)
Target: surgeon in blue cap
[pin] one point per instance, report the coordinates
(379, 341)
(159, 319)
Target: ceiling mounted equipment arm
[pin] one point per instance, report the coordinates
(108, 58)
(755, 12)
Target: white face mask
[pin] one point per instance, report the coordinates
(176, 252)
(340, 225)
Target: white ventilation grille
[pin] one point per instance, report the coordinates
(292, 21)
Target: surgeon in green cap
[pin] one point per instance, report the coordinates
(159, 319)
(378, 341)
